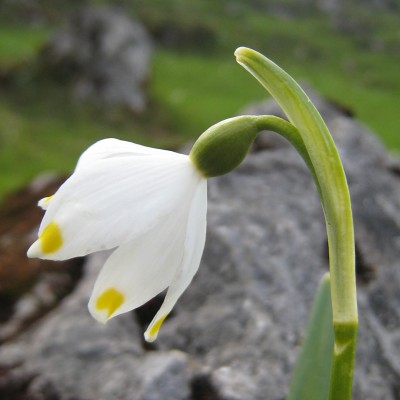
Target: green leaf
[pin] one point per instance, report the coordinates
(311, 376)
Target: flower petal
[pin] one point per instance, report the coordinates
(115, 148)
(193, 250)
(44, 203)
(139, 270)
(110, 201)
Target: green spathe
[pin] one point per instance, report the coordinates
(222, 147)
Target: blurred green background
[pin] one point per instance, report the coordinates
(348, 51)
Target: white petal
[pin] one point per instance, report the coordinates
(44, 203)
(113, 200)
(115, 148)
(193, 250)
(138, 271)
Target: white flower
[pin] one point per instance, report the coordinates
(148, 205)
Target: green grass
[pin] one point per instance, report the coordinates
(41, 129)
(200, 91)
(19, 43)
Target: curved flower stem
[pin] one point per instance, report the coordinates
(290, 133)
(321, 156)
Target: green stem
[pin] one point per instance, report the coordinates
(290, 133)
(328, 171)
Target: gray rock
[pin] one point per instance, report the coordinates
(235, 333)
(105, 55)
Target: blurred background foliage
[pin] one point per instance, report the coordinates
(348, 51)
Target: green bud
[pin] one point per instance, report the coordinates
(222, 147)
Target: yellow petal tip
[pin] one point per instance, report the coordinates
(152, 331)
(51, 238)
(109, 301)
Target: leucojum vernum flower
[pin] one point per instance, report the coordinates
(146, 204)
(148, 207)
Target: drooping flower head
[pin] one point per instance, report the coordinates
(148, 206)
